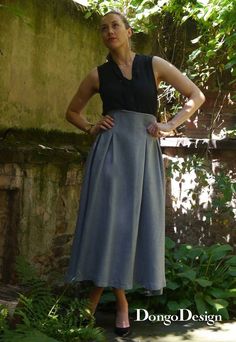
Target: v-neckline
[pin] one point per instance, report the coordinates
(132, 69)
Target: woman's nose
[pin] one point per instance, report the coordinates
(110, 30)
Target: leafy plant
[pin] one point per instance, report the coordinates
(231, 133)
(200, 278)
(219, 187)
(216, 34)
(25, 334)
(138, 12)
(3, 317)
(43, 316)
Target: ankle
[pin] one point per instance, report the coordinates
(122, 319)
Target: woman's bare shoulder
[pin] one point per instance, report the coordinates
(167, 72)
(158, 65)
(161, 66)
(92, 79)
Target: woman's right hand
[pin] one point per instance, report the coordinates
(105, 123)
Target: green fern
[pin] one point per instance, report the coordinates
(3, 317)
(90, 334)
(46, 317)
(25, 271)
(25, 334)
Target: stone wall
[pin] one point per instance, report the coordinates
(38, 208)
(44, 55)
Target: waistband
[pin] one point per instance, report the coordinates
(124, 111)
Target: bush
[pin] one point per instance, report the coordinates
(198, 278)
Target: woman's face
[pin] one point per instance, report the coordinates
(114, 32)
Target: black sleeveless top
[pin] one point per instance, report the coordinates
(138, 94)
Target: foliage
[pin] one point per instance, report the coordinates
(138, 12)
(3, 317)
(219, 187)
(199, 278)
(43, 316)
(216, 35)
(231, 133)
(25, 334)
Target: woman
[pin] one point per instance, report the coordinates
(119, 238)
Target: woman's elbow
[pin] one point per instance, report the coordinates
(198, 97)
(202, 97)
(68, 115)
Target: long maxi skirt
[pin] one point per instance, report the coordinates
(119, 239)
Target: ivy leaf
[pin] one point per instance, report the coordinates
(218, 292)
(220, 251)
(185, 303)
(231, 63)
(231, 261)
(196, 40)
(200, 303)
(203, 282)
(232, 271)
(191, 275)
(173, 306)
(169, 243)
(88, 15)
(194, 54)
(218, 303)
(172, 285)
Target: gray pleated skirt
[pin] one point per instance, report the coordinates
(120, 231)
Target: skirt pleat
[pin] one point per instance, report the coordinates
(120, 230)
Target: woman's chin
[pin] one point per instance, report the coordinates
(112, 44)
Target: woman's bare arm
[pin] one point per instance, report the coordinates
(88, 87)
(165, 71)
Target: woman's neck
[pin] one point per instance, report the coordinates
(123, 58)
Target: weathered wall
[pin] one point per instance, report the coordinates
(38, 208)
(43, 58)
(44, 55)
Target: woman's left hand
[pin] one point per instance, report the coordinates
(158, 129)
